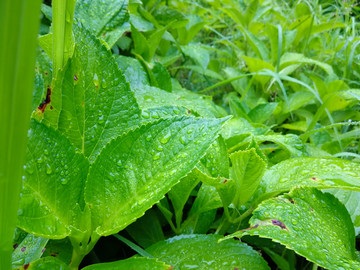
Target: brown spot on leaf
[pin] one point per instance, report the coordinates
(23, 249)
(47, 100)
(15, 245)
(313, 178)
(26, 266)
(75, 78)
(278, 223)
(225, 181)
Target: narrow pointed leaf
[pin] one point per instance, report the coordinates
(137, 169)
(204, 252)
(313, 224)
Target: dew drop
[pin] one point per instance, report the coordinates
(156, 156)
(48, 169)
(145, 114)
(166, 138)
(182, 139)
(63, 181)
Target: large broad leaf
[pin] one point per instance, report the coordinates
(247, 169)
(45, 264)
(313, 224)
(137, 169)
(52, 185)
(103, 18)
(133, 263)
(204, 252)
(312, 172)
(97, 103)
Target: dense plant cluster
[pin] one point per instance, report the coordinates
(167, 130)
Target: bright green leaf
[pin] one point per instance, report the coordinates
(204, 252)
(45, 264)
(53, 184)
(137, 169)
(247, 169)
(313, 224)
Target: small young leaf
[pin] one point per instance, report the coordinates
(204, 252)
(247, 169)
(313, 224)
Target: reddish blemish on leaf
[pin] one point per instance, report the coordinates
(188, 111)
(23, 249)
(291, 200)
(278, 223)
(26, 266)
(89, 205)
(43, 250)
(313, 178)
(171, 268)
(75, 78)
(225, 181)
(45, 73)
(47, 100)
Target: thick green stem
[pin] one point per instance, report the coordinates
(82, 245)
(19, 23)
(63, 43)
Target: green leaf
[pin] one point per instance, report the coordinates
(312, 172)
(45, 264)
(97, 103)
(247, 169)
(52, 185)
(103, 18)
(295, 58)
(351, 200)
(198, 53)
(61, 249)
(262, 112)
(147, 229)
(204, 252)
(30, 249)
(180, 193)
(216, 162)
(137, 169)
(162, 77)
(133, 263)
(313, 224)
(133, 71)
(152, 97)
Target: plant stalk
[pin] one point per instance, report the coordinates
(19, 24)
